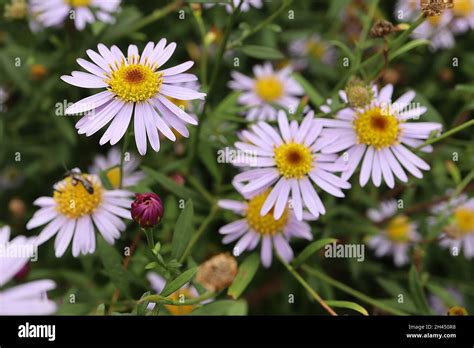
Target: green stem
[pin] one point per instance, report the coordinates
(201, 189)
(149, 238)
(393, 45)
(220, 53)
(447, 134)
(462, 185)
(167, 301)
(343, 287)
(308, 288)
(125, 143)
(157, 14)
(199, 233)
(263, 24)
(202, 31)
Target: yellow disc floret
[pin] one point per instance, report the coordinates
(463, 8)
(398, 229)
(78, 3)
(269, 88)
(135, 82)
(316, 49)
(376, 127)
(73, 200)
(264, 225)
(464, 220)
(293, 160)
(114, 176)
(180, 296)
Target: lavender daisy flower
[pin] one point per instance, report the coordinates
(434, 28)
(29, 298)
(110, 164)
(313, 47)
(79, 202)
(53, 13)
(186, 105)
(268, 89)
(290, 158)
(377, 135)
(272, 231)
(459, 234)
(396, 237)
(463, 16)
(439, 306)
(186, 292)
(135, 84)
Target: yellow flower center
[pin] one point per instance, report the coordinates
(74, 201)
(316, 49)
(434, 20)
(113, 175)
(293, 160)
(398, 229)
(463, 8)
(135, 82)
(264, 225)
(464, 220)
(269, 88)
(78, 3)
(376, 127)
(180, 295)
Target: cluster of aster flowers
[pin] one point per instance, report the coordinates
(296, 160)
(440, 29)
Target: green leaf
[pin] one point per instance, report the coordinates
(408, 47)
(227, 103)
(141, 307)
(208, 158)
(183, 231)
(416, 290)
(349, 305)
(443, 294)
(315, 97)
(465, 88)
(347, 51)
(100, 309)
(261, 52)
(224, 307)
(105, 180)
(113, 265)
(246, 272)
(171, 185)
(178, 282)
(310, 250)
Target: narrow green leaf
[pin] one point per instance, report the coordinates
(310, 250)
(183, 231)
(105, 180)
(178, 282)
(170, 185)
(100, 309)
(443, 294)
(209, 159)
(224, 307)
(347, 51)
(416, 290)
(113, 265)
(315, 97)
(261, 52)
(141, 307)
(349, 305)
(246, 272)
(408, 47)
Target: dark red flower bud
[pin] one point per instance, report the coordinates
(147, 209)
